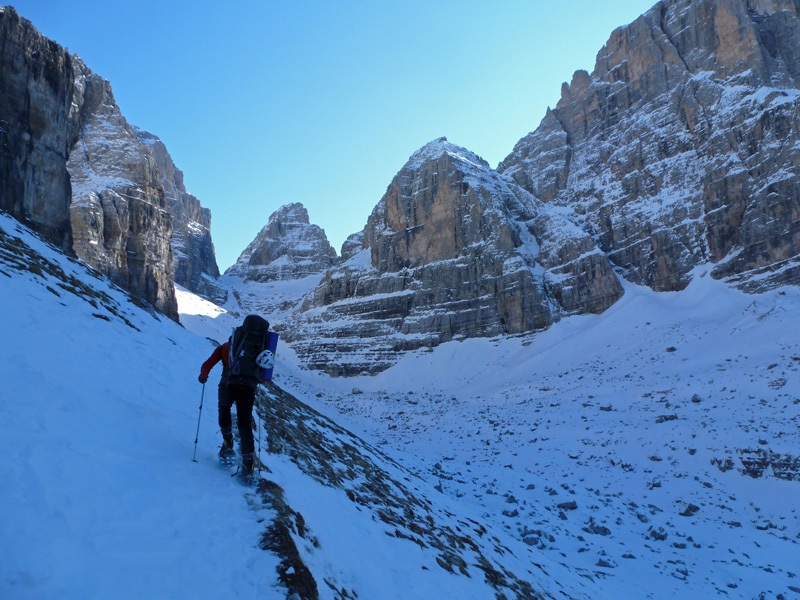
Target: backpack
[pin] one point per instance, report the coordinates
(247, 342)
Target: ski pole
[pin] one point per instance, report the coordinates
(258, 426)
(197, 434)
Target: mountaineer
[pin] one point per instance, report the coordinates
(242, 357)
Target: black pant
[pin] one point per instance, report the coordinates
(244, 398)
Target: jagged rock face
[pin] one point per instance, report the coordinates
(288, 247)
(436, 209)
(194, 260)
(73, 169)
(120, 223)
(35, 131)
(680, 148)
(452, 250)
(352, 245)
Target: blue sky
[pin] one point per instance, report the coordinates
(262, 103)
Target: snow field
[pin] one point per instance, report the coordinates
(608, 454)
(603, 441)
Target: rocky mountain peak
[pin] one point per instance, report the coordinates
(292, 216)
(288, 247)
(679, 149)
(452, 250)
(439, 147)
(443, 201)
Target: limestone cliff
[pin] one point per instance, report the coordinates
(87, 190)
(452, 250)
(680, 148)
(74, 169)
(120, 223)
(35, 128)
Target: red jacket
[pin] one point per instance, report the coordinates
(221, 353)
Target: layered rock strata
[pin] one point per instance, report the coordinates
(120, 223)
(288, 247)
(74, 169)
(680, 148)
(452, 250)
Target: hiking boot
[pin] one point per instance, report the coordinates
(227, 455)
(246, 474)
(245, 478)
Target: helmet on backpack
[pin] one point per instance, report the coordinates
(266, 360)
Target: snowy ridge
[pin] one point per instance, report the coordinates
(438, 147)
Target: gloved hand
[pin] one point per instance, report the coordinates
(202, 379)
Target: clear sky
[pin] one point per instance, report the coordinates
(262, 103)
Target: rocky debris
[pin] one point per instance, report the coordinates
(452, 250)
(337, 459)
(680, 147)
(759, 462)
(288, 247)
(690, 510)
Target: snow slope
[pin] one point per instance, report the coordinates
(653, 450)
(648, 452)
(102, 499)
(619, 442)
(98, 414)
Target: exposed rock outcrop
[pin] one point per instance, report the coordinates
(195, 262)
(288, 247)
(352, 245)
(678, 150)
(452, 250)
(35, 128)
(681, 146)
(120, 223)
(74, 169)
